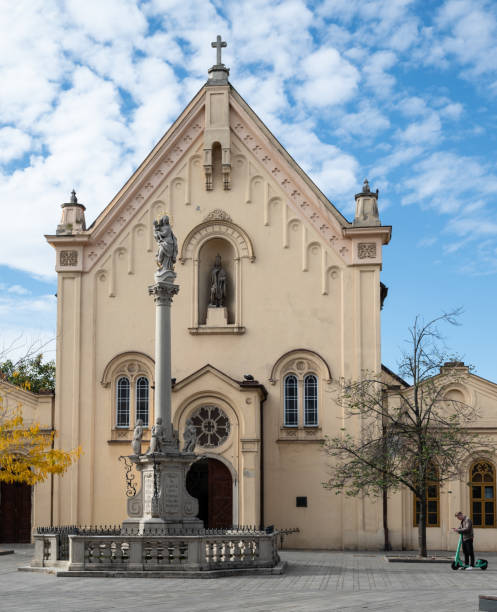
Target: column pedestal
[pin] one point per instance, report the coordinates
(163, 501)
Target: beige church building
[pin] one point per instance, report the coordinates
(280, 297)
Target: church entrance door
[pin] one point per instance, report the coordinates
(15, 512)
(210, 481)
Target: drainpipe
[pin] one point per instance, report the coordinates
(261, 464)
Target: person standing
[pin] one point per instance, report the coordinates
(466, 529)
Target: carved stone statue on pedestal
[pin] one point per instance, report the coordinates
(189, 437)
(157, 439)
(217, 313)
(136, 444)
(218, 284)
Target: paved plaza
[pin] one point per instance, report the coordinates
(314, 581)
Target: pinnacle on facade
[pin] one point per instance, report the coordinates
(366, 210)
(73, 217)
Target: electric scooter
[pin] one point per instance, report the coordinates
(458, 563)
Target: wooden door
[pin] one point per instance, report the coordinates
(15, 513)
(220, 505)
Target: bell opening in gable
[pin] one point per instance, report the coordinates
(217, 166)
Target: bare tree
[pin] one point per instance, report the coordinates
(412, 437)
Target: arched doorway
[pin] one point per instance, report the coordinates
(15, 512)
(210, 481)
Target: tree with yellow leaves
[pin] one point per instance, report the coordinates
(26, 453)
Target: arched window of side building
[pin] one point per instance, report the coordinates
(482, 483)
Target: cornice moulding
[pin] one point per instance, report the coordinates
(379, 231)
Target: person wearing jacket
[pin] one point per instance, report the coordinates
(466, 529)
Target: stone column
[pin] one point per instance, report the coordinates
(163, 501)
(163, 291)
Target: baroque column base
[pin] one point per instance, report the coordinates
(163, 501)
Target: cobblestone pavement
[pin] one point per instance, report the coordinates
(317, 581)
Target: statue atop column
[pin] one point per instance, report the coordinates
(168, 245)
(217, 284)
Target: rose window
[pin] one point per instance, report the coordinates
(213, 426)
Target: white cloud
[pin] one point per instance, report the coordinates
(27, 324)
(427, 242)
(270, 34)
(18, 290)
(30, 64)
(464, 31)
(446, 181)
(454, 110)
(197, 23)
(375, 72)
(473, 227)
(413, 106)
(398, 157)
(368, 121)
(338, 176)
(426, 131)
(269, 95)
(483, 261)
(109, 20)
(13, 143)
(329, 79)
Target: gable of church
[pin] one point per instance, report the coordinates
(219, 156)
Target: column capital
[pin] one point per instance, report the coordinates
(163, 293)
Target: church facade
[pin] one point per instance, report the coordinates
(279, 298)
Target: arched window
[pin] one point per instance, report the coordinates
(310, 400)
(122, 402)
(302, 375)
(432, 502)
(482, 477)
(142, 400)
(291, 400)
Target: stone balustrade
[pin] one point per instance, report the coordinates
(137, 553)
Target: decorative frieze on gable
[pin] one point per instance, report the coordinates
(166, 163)
(298, 195)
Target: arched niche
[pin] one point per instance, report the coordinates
(206, 259)
(217, 234)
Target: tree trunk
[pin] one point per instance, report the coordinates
(422, 525)
(386, 536)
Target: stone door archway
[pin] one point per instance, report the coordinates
(210, 481)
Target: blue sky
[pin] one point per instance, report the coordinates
(401, 92)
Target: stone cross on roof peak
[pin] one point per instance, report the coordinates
(218, 44)
(218, 74)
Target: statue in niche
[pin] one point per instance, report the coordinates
(158, 437)
(168, 245)
(189, 437)
(136, 443)
(218, 284)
